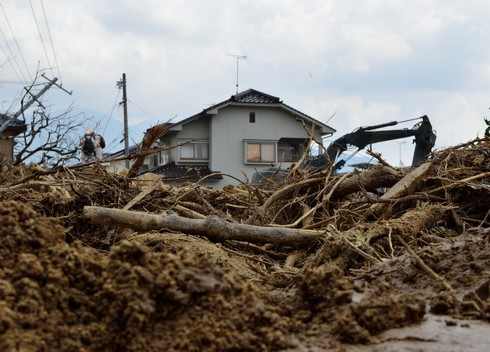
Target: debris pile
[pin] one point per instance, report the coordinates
(93, 261)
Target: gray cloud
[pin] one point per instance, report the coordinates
(367, 61)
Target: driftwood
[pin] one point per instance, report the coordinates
(408, 225)
(286, 190)
(142, 195)
(405, 186)
(212, 227)
(150, 137)
(370, 180)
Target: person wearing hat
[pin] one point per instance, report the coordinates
(91, 145)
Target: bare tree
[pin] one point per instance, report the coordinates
(51, 139)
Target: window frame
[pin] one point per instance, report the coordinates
(251, 117)
(279, 143)
(259, 162)
(193, 160)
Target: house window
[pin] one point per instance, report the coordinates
(251, 117)
(260, 152)
(154, 160)
(289, 152)
(163, 158)
(194, 151)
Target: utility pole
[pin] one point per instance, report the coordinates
(122, 84)
(238, 58)
(33, 98)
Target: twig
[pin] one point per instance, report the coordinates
(141, 195)
(286, 190)
(425, 267)
(458, 182)
(378, 157)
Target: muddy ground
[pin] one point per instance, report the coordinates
(68, 285)
(184, 293)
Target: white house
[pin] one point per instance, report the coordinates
(249, 132)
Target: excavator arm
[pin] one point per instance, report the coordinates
(364, 136)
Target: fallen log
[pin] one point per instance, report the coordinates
(212, 227)
(408, 225)
(286, 190)
(405, 186)
(360, 237)
(370, 180)
(150, 137)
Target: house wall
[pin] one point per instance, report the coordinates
(197, 129)
(194, 130)
(6, 149)
(120, 165)
(231, 126)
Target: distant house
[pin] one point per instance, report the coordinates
(7, 137)
(248, 132)
(116, 162)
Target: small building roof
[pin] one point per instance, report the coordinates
(253, 96)
(15, 127)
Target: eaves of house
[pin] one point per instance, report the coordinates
(252, 97)
(14, 128)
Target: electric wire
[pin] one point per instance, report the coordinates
(40, 34)
(15, 101)
(14, 64)
(112, 111)
(16, 42)
(4, 63)
(139, 107)
(50, 37)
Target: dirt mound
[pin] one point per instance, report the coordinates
(71, 297)
(377, 250)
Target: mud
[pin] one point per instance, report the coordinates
(172, 296)
(434, 334)
(67, 285)
(55, 296)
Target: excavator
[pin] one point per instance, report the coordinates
(425, 139)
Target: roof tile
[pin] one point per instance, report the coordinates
(252, 96)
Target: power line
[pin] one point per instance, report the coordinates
(40, 34)
(11, 54)
(7, 59)
(29, 75)
(50, 37)
(139, 107)
(112, 111)
(16, 100)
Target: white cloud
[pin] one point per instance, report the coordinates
(369, 61)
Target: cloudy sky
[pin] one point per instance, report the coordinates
(366, 61)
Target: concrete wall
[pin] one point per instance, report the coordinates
(226, 133)
(194, 130)
(197, 129)
(231, 126)
(120, 165)
(6, 149)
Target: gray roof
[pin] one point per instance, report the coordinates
(132, 149)
(17, 126)
(254, 97)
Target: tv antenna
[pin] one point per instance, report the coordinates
(237, 58)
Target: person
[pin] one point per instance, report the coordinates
(91, 146)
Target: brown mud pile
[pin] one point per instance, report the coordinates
(55, 296)
(393, 245)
